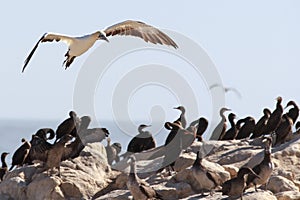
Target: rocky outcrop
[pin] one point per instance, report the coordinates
(279, 184)
(89, 177)
(225, 157)
(80, 178)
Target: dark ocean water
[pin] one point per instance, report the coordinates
(12, 131)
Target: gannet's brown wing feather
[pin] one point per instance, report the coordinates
(139, 29)
(47, 37)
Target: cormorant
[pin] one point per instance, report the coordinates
(247, 128)
(40, 146)
(20, 154)
(236, 186)
(55, 154)
(140, 190)
(275, 118)
(3, 168)
(181, 118)
(221, 127)
(230, 133)
(261, 124)
(173, 127)
(264, 168)
(284, 129)
(206, 178)
(79, 45)
(201, 125)
(141, 142)
(69, 126)
(293, 113)
(73, 149)
(297, 126)
(43, 132)
(182, 139)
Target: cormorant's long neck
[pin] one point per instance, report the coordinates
(294, 105)
(182, 113)
(140, 129)
(279, 106)
(223, 117)
(198, 162)
(231, 121)
(3, 162)
(132, 173)
(267, 157)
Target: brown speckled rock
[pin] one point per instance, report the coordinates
(289, 195)
(280, 184)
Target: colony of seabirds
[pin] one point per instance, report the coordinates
(275, 127)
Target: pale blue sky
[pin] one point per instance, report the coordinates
(255, 45)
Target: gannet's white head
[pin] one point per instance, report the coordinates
(102, 36)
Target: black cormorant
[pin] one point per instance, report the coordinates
(3, 168)
(20, 154)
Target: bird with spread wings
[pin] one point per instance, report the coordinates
(226, 89)
(79, 45)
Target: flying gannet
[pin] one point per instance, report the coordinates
(79, 45)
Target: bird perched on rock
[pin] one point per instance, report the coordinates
(261, 124)
(264, 168)
(275, 118)
(297, 126)
(293, 113)
(246, 129)
(232, 132)
(173, 127)
(39, 145)
(142, 141)
(206, 178)
(284, 130)
(138, 188)
(20, 154)
(43, 133)
(85, 136)
(55, 154)
(201, 124)
(3, 168)
(236, 186)
(79, 45)
(221, 127)
(68, 126)
(112, 151)
(181, 119)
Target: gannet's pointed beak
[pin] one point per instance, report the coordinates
(102, 36)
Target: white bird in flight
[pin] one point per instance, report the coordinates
(227, 89)
(79, 45)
